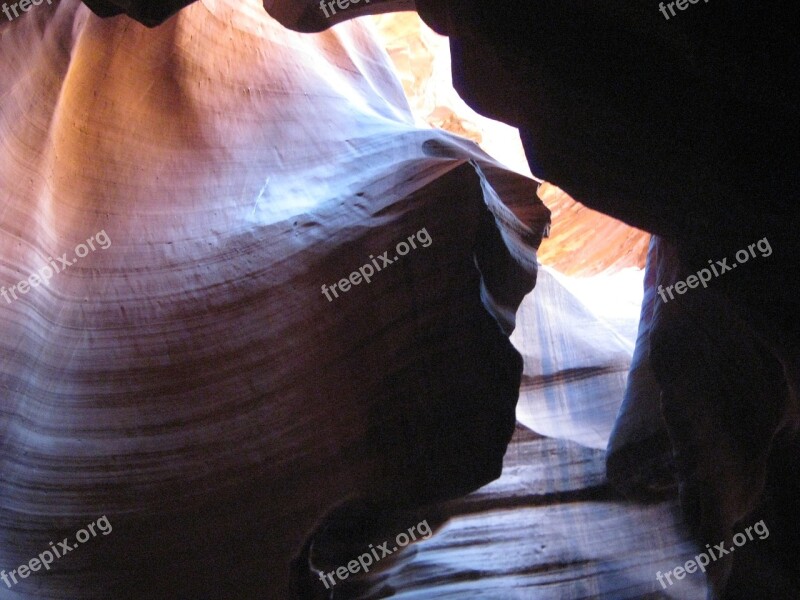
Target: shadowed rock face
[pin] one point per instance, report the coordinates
(728, 406)
(305, 16)
(684, 128)
(190, 380)
(147, 13)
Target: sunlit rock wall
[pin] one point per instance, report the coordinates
(582, 241)
(277, 294)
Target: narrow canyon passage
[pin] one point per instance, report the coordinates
(285, 314)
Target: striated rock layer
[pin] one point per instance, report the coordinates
(684, 127)
(189, 379)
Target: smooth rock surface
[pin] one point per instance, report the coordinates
(190, 381)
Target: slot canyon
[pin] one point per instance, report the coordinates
(420, 299)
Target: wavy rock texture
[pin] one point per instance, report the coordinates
(585, 242)
(548, 528)
(191, 382)
(684, 127)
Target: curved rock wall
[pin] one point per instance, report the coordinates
(188, 376)
(683, 127)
